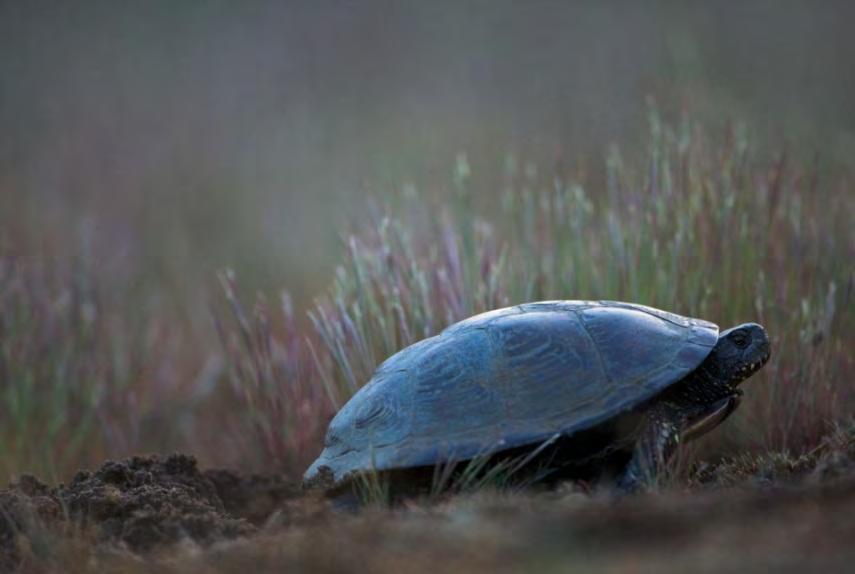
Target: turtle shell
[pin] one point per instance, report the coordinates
(509, 378)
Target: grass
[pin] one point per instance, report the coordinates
(703, 226)
(273, 378)
(49, 362)
(83, 375)
(700, 222)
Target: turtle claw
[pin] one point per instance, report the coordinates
(627, 486)
(630, 482)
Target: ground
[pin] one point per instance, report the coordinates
(165, 514)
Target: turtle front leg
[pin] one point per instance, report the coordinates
(664, 425)
(658, 438)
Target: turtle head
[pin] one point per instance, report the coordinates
(739, 353)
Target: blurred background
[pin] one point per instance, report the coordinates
(144, 146)
(189, 136)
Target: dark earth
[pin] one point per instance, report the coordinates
(143, 503)
(778, 507)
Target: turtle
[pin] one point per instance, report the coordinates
(515, 378)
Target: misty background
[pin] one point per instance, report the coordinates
(190, 136)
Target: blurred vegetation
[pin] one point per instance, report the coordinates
(83, 375)
(703, 224)
(193, 136)
(143, 149)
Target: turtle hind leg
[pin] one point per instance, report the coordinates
(664, 426)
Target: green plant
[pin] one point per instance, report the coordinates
(273, 379)
(50, 369)
(77, 380)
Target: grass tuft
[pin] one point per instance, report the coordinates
(275, 382)
(83, 375)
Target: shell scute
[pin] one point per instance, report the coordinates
(549, 368)
(454, 379)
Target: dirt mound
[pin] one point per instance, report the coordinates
(146, 502)
(252, 497)
(141, 503)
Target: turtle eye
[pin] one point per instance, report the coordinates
(740, 340)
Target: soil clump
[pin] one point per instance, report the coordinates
(141, 504)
